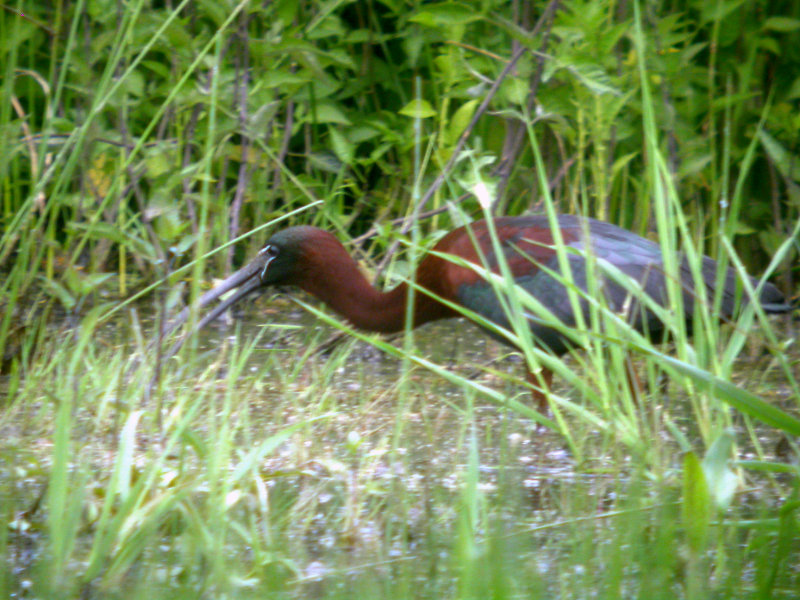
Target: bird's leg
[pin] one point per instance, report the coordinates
(541, 383)
(634, 383)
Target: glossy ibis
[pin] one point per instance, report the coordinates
(315, 261)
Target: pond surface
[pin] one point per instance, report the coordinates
(381, 482)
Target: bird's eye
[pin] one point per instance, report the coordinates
(270, 250)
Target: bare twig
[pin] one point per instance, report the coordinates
(516, 135)
(243, 179)
(440, 179)
(186, 184)
(445, 172)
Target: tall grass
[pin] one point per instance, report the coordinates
(259, 468)
(273, 477)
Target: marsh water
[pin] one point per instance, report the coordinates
(392, 482)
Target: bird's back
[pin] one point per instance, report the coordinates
(528, 248)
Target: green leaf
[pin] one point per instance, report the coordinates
(445, 14)
(720, 478)
(54, 288)
(515, 90)
(325, 161)
(158, 162)
(125, 460)
(696, 508)
(729, 393)
(595, 78)
(330, 26)
(694, 163)
(622, 162)
(418, 109)
(16, 36)
(794, 90)
(158, 68)
(168, 225)
(765, 466)
(285, 11)
(81, 283)
(258, 121)
(448, 65)
(413, 46)
(342, 147)
(771, 240)
(330, 113)
(99, 231)
(716, 11)
(459, 121)
(282, 78)
(732, 100)
(770, 45)
(743, 229)
(183, 244)
(361, 133)
(782, 24)
(787, 164)
(134, 84)
(100, 10)
(380, 151)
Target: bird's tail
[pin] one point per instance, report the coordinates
(773, 301)
(773, 308)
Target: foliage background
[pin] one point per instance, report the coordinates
(138, 136)
(136, 132)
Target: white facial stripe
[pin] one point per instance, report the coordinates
(266, 265)
(264, 250)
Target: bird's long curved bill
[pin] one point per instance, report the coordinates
(246, 279)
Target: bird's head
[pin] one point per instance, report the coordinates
(285, 258)
(290, 257)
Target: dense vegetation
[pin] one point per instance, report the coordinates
(138, 137)
(131, 129)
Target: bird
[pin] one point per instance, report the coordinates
(315, 261)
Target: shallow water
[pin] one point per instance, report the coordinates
(370, 499)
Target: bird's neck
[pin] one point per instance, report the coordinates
(371, 309)
(343, 287)
(337, 280)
